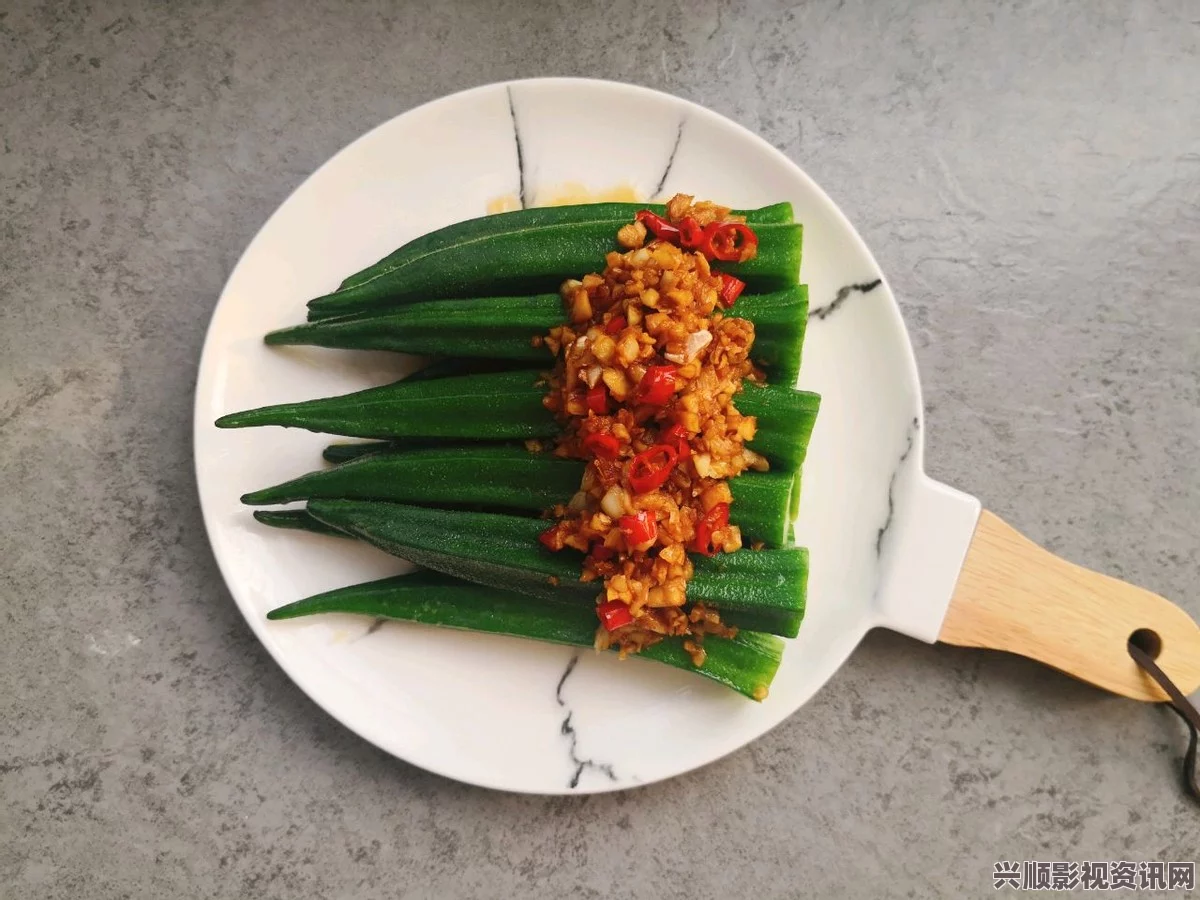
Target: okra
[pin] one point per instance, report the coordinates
(616, 213)
(516, 480)
(504, 328)
(341, 452)
(295, 520)
(534, 260)
(746, 663)
(760, 590)
(499, 406)
(508, 406)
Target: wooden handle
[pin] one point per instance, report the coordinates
(1013, 595)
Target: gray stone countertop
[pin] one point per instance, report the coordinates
(1027, 173)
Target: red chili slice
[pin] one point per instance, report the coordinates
(658, 226)
(657, 386)
(602, 446)
(639, 529)
(692, 235)
(732, 242)
(677, 436)
(597, 399)
(713, 520)
(651, 468)
(731, 289)
(613, 615)
(615, 324)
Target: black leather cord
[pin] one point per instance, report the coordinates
(1185, 710)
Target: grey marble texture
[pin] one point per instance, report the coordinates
(1028, 175)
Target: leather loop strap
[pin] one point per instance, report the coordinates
(1183, 707)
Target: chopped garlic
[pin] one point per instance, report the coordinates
(613, 502)
(697, 342)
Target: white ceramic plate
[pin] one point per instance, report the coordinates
(886, 543)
